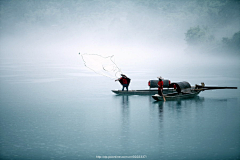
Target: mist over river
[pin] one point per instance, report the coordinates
(53, 107)
(53, 110)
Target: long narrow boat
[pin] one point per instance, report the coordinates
(175, 96)
(171, 91)
(143, 92)
(152, 84)
(184, 90)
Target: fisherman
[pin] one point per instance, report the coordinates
(160, 87)
(124, 80)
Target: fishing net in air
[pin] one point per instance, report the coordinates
(101, 65)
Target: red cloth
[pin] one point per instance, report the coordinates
(174, 86)
(124, 80)
(160, 83)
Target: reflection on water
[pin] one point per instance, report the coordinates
(125, 101)
(125, 123)
(186, 102)
(125, 113)
(177, 105)
(160, 110)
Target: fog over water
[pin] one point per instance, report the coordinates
(53, 107)
(143, 32)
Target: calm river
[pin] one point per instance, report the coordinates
(51, 110)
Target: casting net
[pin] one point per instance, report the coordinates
(102, 65)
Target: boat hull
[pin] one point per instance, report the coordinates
(142, 92)
(176, 96)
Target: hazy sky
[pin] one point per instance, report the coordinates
(133, 31)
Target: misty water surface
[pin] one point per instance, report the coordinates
(62, 111)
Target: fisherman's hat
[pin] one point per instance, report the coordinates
(160, 78)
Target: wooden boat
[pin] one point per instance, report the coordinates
(171, 90)
(175, 96)
(143, 92)
(184, 90)
(152, 84)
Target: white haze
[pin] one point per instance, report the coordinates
(137, 35)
